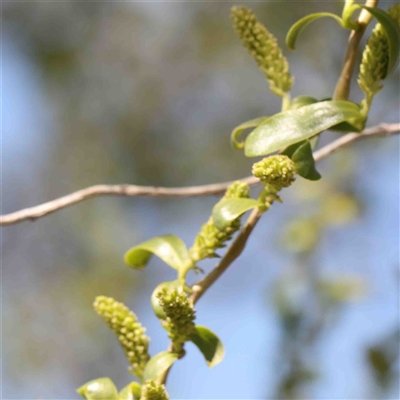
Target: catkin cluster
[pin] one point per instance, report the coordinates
(180, 314)
(375, 59)
(153, 391)
(276, 172)
(264, 48)
(210, 238)
(130, 333)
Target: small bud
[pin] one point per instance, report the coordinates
(130, 333)
(237, 190)
(153, 391)
(277, 172)
(180, 314)
(210, 238)
(263, 47)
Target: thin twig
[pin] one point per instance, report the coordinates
(238, 244)
(203, 190)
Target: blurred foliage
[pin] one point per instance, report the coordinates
(383, 359)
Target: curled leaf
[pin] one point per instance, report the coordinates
(99, 389)
(209, 344)
(159, 365)
(302, 23)
(348, 11)
(289, 127)
(227, 210)
(169, 248)
(241, 128)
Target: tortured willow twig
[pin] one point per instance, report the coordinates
(44, 209)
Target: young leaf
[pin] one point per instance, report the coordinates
(169, 248)
(241, 128)
(130, 392)
(301, 155)
(302, 23)
(158, 366)
(348, 11)
(227, 210)
(209, 344)
(99, 389)
(289, 127)
(302, 101)
(392, 31)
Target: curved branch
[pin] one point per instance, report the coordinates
(44, 209)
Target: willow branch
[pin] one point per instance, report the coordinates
(42, 210)
(238, 244)
(342, 90)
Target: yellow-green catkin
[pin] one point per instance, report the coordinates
(153, 391)
(210, 238)
(180, 314)
(375, 60)
(264, 48)
(275, 172)
(130, 333)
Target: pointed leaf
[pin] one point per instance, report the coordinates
(289, 127)
(209, 344)
(392, 31)
(131, 392)
(302, 23)
(304, 162)
(241, 128)
(169, 248)
(227, 210)
(99, 389)
(159, 365)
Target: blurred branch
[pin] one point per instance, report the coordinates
(39, 211)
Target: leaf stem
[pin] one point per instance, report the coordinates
(342, 89)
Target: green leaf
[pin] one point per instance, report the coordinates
(169, 248)
(131, 392)
(302, 101)
(304, 161)
(227, 210)
(347, 13)
(241, 128)
(99, 389)
(392, 31)
(289, 127)
(209, 344)
(159, 365)
(346, 127)
(302, 23)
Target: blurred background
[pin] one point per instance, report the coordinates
(147, 93)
